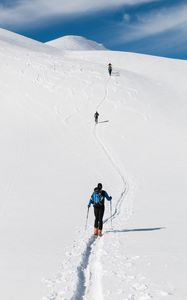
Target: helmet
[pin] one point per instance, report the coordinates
(100, 186)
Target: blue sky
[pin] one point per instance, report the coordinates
(157, 27)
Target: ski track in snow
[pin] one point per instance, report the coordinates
(89, 284)
(83, 280)
(88, 275)
(94, 270)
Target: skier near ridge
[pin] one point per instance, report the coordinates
(110, 69)
(96, 115)
(98, 199)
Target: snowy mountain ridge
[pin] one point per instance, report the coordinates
(16, 40)
(53, 155)
(73, 42)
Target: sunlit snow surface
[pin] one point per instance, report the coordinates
(73, 42)
(52, 155)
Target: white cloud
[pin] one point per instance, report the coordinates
(156, 23)
(29, 11)
(126, 17)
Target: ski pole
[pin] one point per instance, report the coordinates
(87, 218)
(111, 212)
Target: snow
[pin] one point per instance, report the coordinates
(73, 42)
(53, 155)
(18, 41)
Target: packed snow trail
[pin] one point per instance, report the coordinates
(94, 268)
(81, 282)
(124, 184)
(88, 284)
(89, 271)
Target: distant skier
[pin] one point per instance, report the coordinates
(110, 69)
(96, 115)
(98, 199)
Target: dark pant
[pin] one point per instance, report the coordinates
(99, 212)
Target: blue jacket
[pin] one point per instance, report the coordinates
(104, 195)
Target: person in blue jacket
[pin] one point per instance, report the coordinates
(98, 201)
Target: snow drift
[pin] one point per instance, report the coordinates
(52, 156)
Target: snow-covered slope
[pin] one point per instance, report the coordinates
(52, 155)
(15, 40)
(73, 42)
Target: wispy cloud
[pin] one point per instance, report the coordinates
(126, 17)
(19, 12)
(154, 23)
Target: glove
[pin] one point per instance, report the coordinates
(88, 205)
(110, 198)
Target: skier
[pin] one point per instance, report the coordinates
(96, 115)
(98, 199)
(110, 69)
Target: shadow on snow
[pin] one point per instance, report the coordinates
(103, 121)
(115, 73)
(135, 230)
